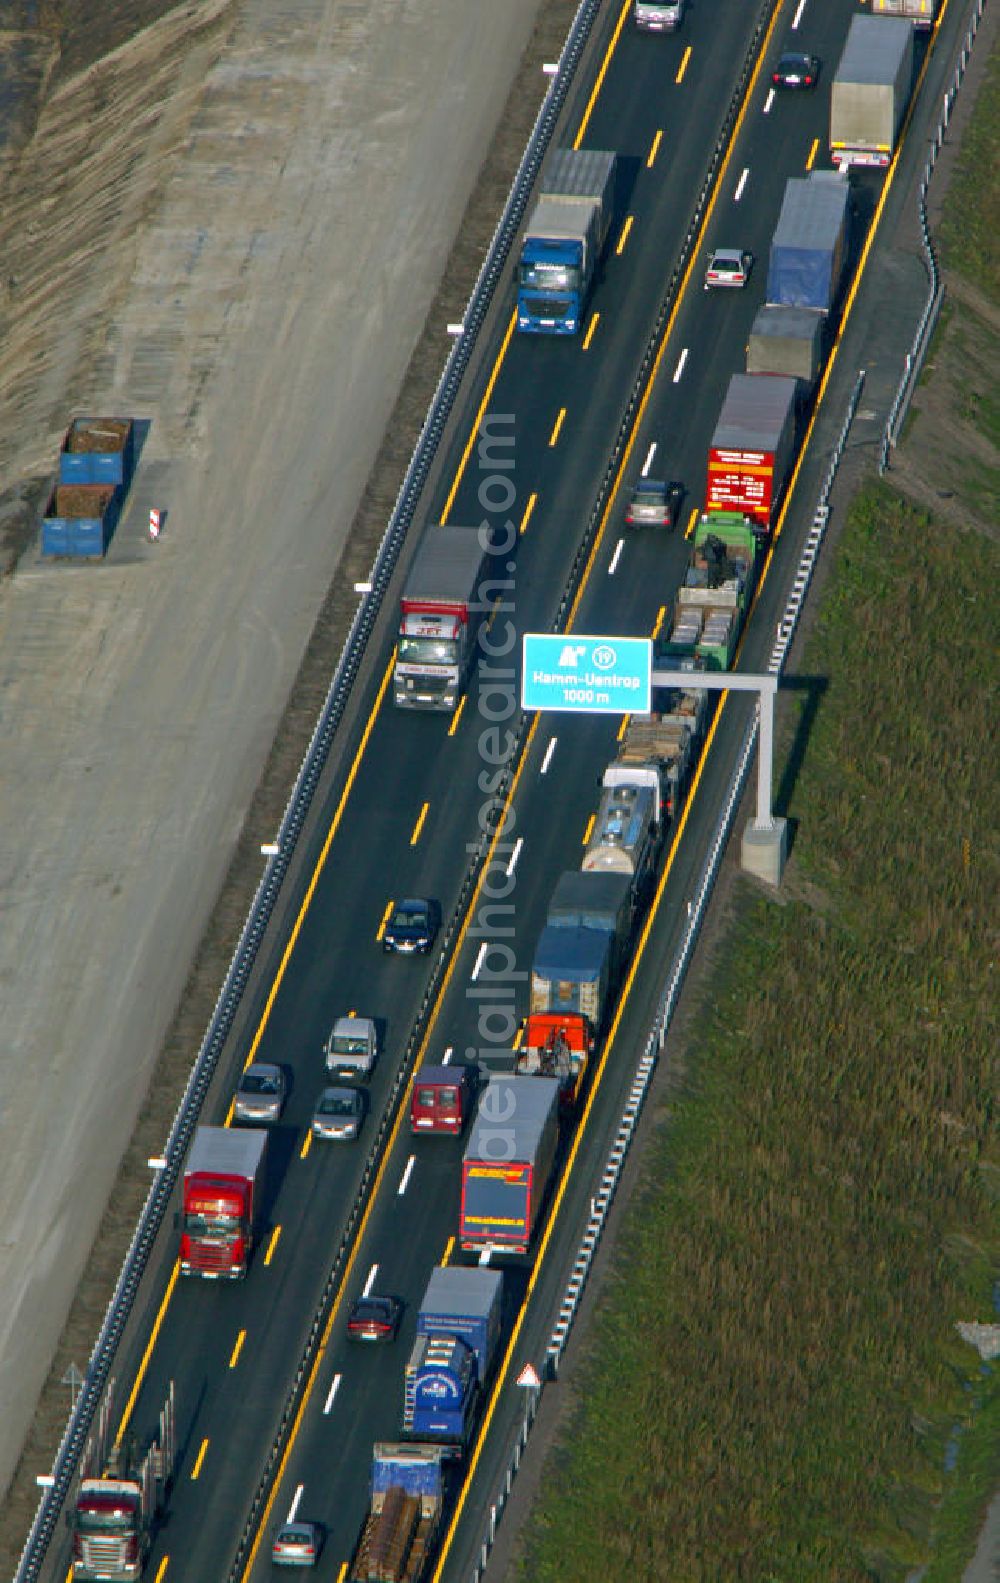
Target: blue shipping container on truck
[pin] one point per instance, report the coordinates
(98, 451)
(80, 520)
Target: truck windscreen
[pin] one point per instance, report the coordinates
(550, 277)
(427, 651)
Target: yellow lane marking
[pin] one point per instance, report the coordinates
(342, 1574)
(196, 1470)
(623, 727)
(275, 1234)
(658, 623)
(458, 715)
(480, 414)
(692, 523)
(590, 829)
(605, 63)
(422, 815)
(556, 427)
(385, 919)
(654, 150)
(812, 153)
(306, 1145)
(529, 508)
(626, 228)
(448, 1250)
(234, 1356)
(151, 1343)
(595, 320)
(161, 1570)
(682, 68)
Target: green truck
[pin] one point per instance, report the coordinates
(712, 602)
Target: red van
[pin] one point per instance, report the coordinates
(442, 1098)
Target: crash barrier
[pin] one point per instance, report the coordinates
(601, 1201)
(935, 295)
(300, 801)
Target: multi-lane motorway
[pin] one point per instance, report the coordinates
(408, 798)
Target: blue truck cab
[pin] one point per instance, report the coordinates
(564, 240)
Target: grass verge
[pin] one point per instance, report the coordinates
(775, 1373)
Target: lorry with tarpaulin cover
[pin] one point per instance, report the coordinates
(446, 597)
(458, 1337)
(564, 240)
(121, 1498)
(752, 447)
(809, 248)
(712, 602)
(399, 1536)
(788, 341)
(508, 1164)
(870, 91)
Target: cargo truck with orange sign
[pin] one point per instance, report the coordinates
(752, 447)
(508, 1164)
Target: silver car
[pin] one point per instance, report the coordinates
(338, 1114)
(261, 1093)
(351, 1049)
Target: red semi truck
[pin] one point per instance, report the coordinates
(223, 1200)
(121, 1499)
(508, 1163)
(752, 447)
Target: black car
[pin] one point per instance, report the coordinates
(412, 925)
(374, 1318)
(795, 70)
(655, 503)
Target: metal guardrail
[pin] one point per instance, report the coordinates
(300, 801)
(935, 297)
(600, 1203)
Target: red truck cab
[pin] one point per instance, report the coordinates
(442, 1099)
(557, 1044)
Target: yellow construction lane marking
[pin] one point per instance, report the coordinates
(556, 427)
(196, 1470)
(161, 1570)
(626, 228)
(234, 1356)
(151, 1343)
(306, 1145)
(480, 414)
(658, 623)
(458, 715)
(623, 727)
(275, 1234)
(529, 508)
(449, 1246)
(590, 829)
(654, 150)
(595, 320)
(385, 919)
(812, 153)
(422, 815)
(682, 68)
(599, 81)
(692, 522)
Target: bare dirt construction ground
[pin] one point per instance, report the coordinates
(163, 84)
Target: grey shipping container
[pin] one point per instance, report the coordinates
(520, 1107)
(446, 568)
(98, 451)
(787, 341)
(587, 173)
(757, 415)
(809, 246)
(870, 91)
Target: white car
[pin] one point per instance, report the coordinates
(728, 266)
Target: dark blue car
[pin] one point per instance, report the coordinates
(413, 925)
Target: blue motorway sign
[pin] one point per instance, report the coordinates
(609, 676)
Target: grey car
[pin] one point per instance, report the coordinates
(297, 1545)
(261, 1093)
(339, 1113)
